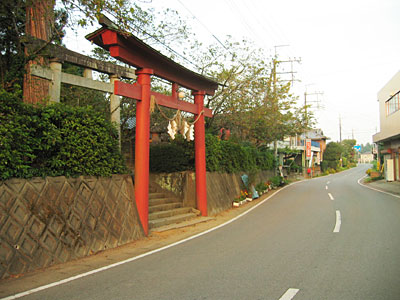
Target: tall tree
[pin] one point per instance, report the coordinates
(39, 24)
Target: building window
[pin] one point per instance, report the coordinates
(393, 104)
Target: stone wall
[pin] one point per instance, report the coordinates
(221, 188)
(54, 220)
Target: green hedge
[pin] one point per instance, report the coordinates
(221, 156)
(230, 157)
(167, 158)
(55, 140)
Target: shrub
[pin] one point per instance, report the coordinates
(166, 158)
(231, 157)
(221, 156)
(277, 181)
(55, 140)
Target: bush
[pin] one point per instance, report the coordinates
(329, 164)
(295, 168)
(55, 140)
(165, 158)
(277, 181)
(221, 156)
(231, 157)
(261, 187)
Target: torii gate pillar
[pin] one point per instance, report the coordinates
(148, 61)
(200, 154)
(142, 151)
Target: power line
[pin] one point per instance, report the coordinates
(198, 20)
(169, 48)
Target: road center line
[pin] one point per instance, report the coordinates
(328, 182)
(326, 187)
(330, 196)
(338, 222)
(290, 293)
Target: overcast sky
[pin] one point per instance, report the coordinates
(349, 49)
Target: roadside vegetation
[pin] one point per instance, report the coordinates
(339, 157)
(55, 140)
(374, 173)
(253, 103)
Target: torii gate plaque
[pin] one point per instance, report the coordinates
(148, 61)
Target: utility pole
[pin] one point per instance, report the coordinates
(274, 83)
(304, 159)
(291, 61)
(340, 129)
(275, 106)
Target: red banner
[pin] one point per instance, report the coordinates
(308, 148)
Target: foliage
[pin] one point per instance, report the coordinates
(13, 40)
(295, 167)
(55, 140)
(338, 155)
(231, 157)
(332, 155)
(221, 156)
(243, 195)
(80, 96)
(277, 181)
(252, 102)
(348, 151)
(367, 148)
(172, 157)
(261, 187)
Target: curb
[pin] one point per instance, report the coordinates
(375, 189)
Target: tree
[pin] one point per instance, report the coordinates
(332, 155)
(348, 150)
(22, 19)
(251, 101)
(367, 148)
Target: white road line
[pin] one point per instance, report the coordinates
(290, 293)
(338, 222)
(47, 286)
(330, 196)
(328, 182)
(326, 187)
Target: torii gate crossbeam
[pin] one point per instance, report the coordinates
(148, 62)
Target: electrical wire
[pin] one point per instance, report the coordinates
(198, 20)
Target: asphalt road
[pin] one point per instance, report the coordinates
(326, 238)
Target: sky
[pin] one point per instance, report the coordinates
(349, 50)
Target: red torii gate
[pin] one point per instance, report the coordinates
(148, 61)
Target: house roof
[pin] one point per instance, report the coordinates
(315, 134)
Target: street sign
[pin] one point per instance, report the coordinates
(357, 148)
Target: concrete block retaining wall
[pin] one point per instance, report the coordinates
(221, 188)
(54, 220)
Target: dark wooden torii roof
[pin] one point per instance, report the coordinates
(131, 50)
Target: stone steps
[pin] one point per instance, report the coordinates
(172, 212)
(165, 200)
(171, 220)
(165, 210)
(163, 207)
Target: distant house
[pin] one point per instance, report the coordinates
(389, 136)
(318, 146)
(366, 158)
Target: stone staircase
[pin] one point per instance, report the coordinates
(165, 209)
